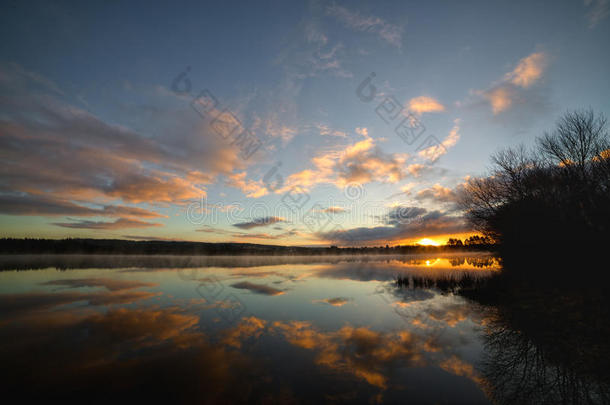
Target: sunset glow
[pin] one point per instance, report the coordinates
(293, 142)
(305, 201)
(428, 242)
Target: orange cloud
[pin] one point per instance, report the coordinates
(500, 99)
(435, 151)
(436, 193)
(361, 162)
(504, 93)
(250, 188)
(365, 353)
(67, 158)
(456, 366)
(362, 131)
(334, 210)
(424, 104)
(247, 327)
(528, 71)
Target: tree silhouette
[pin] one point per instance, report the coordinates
(556, 194)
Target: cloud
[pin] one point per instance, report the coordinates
(248, 327)
(107, 283)
(361, 162)
(335, 302)
(27, 78)
(425, 104)
(58, 157)
(35, 301)
(390, 33)
(455, 365)
(263, 221)
(598, 12)
(283, 235)
(119, 223)
(436, 150)
(325, 130)
(251, 188)
(152, 238)
(362, 131)
(415, 169)
(360, 351)
(437, 193)
(171, 339)
(272, 126)
(245, 235)
(310, 56)
(334, 210)
(500, 98)
(513, 87)
(44, 205)
(404, 190)
(257, 288)
(401, 222)
(314, 35)
(528, 71)
(401, 214)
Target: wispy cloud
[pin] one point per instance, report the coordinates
(272, 126)
(390, 33)
(45, 205)
(599, 10)
(325, 130)
(107, 283)
(58, 159)
(263, 221)
(119, 223)
(435, 151)
(334, 210)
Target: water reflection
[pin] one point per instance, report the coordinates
(520, 371)
(313, 330)
(547, 345)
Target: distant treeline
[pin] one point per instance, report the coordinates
(119, 246)
(474, 241)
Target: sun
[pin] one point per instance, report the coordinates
(428, 242)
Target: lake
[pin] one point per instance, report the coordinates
(247, 329)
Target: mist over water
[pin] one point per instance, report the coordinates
(75, 261)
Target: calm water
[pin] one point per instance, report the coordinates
(256, 329)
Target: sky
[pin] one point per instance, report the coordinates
(287, 122)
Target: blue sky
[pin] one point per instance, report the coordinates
(96, 142)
